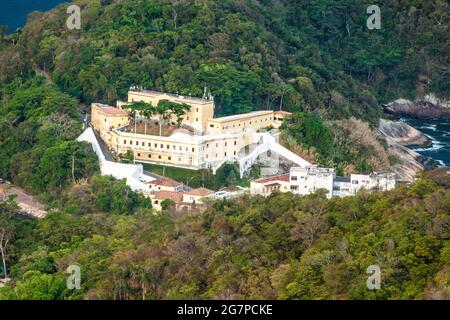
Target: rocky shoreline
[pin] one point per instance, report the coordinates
(428, 107)
(399, 137)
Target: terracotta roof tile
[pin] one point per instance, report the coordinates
(114, 111)
(166, 182)
(163, 195)
(200, 192)
(284, 177)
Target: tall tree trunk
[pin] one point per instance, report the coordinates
(3, 244)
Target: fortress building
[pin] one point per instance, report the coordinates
(201, 141)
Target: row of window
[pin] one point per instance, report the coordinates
(217, 155)
(234, 125)
(225, 144)
(159, 157)
(161, 146)
(167, 147)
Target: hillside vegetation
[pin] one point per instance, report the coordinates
(314, 58)
(318, 54)
(283, 246)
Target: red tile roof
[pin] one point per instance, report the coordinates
(284, 177)
(114, 111)
(200, 192)
(163, 195)
(166, 182)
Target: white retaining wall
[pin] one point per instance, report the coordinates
(133, 173)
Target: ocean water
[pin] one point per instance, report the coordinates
(13, 13)
(438, 131)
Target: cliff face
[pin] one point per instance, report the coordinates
(399, 136)
(428, 107)
(403, 134)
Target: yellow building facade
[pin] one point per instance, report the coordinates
(211, 142)
(197, 117)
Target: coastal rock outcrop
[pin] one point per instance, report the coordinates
(403, 134)
(399, 136)
(428, 107)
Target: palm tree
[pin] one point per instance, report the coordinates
(168, 108)
(180, 110)
(163, 110)
(147, 110)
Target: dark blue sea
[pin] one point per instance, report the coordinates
(13, 13)
(439, 133)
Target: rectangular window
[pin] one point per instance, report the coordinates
(211, 126)
(293, 178)
(138, 154)
(159, 157)
(193, 149)
(156, 145)
(137, 143)
(168, 147)
(169, 158)
(124, 141)
(143, 144)
(149, 155)
(226, 144)
(161, 146)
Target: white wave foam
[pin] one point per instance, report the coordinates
(430, 127)
(441, 163)
(436, 145)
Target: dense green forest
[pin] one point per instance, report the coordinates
(317, 54)
(283, 246)
(315, 58)
(309, 56)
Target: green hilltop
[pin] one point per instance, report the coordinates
(315, 58)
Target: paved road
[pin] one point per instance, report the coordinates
(105, 150)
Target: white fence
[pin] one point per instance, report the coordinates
(133, 173)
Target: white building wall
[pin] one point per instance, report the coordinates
(308, 180)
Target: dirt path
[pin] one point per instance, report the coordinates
(25, 201)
